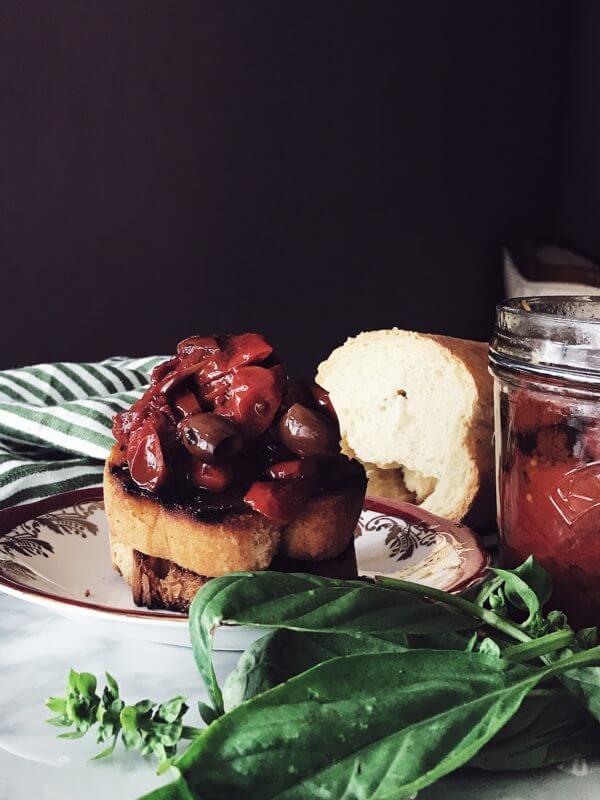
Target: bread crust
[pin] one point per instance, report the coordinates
(325, 525)
(479, 503)
(157, 583)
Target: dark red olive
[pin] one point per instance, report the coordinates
(209, 437)
(308, 433)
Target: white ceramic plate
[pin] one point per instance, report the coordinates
(55, 553)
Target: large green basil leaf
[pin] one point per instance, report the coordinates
(548, 729)
(283, 654)
(310, 603)
(360, 726)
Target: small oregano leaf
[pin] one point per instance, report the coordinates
(173, 709)
(86, 684)
(56, 704)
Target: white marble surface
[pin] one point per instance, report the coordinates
(36, 650)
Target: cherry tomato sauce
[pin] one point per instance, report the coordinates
(548, 463)
(239, 379)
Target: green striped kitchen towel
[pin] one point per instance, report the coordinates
(55, 423)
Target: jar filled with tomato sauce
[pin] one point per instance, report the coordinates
(545, 359)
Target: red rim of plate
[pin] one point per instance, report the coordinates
(473, 570)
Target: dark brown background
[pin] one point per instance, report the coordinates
(308, 169)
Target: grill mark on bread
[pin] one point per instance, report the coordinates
(194, 507)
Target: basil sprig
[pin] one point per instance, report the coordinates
(152, 728)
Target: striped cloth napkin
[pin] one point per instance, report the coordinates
(55, 423)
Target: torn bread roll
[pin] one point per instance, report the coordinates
(417, 411)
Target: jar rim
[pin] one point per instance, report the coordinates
(533, 304)
(555, 335)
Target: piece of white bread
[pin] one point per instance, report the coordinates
(417, 410)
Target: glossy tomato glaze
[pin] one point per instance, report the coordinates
(221, 429)
(549, 489)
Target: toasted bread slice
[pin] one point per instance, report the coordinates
(158, 583)
(325, 525)
(235, 542)
(421, 407)
(166, 552)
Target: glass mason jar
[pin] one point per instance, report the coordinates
(545, 359)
